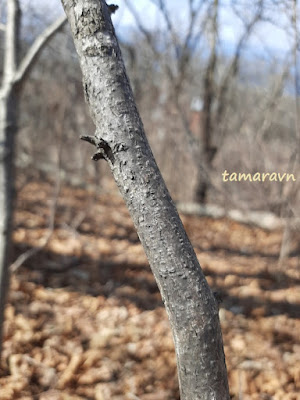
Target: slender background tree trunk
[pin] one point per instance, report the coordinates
(8, 108)
(8, 127)
(207, 151)
(120, 139)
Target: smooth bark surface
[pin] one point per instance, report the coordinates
(120, 139)
(8, 108)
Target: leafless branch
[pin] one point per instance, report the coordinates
(11, 43)
(234, 65)
(272, 103)
(37, 47)
(140, 25)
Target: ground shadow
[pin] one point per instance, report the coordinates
(135, 283)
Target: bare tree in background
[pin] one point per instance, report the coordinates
(120, 140)
(216, 81)
(15, 72)
(288, 208)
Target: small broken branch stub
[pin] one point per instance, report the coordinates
(104, 150)
(112, 8)
(98, 156)
(90, 139)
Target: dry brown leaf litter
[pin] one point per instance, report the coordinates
(98, 330)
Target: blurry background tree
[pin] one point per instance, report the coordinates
(16, 67)
(233, 102)
(223, 97)
(215, 96)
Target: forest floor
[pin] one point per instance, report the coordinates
(85, 319)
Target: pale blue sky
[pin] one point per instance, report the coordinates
(266, 39)
(266, 35)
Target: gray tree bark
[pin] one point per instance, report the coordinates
(120, 139)
(8, 121)
(14, 74)
(8, 110)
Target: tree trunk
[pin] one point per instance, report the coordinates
(8, 127)
(8, 110)
(121, 141)
(207, 151)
